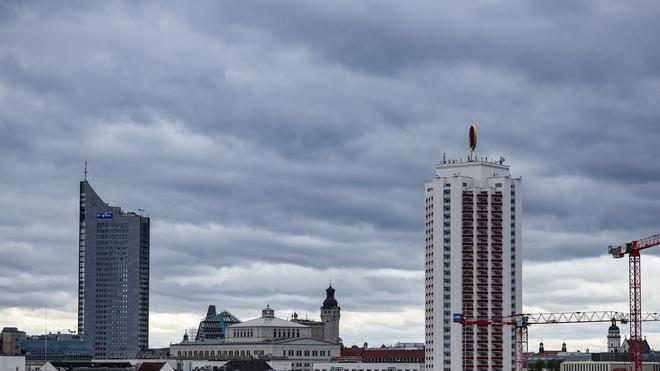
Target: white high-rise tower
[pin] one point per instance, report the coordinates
(473, 263)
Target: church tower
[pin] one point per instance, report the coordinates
(613, 338)
(330, 313)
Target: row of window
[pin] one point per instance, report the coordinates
(248, 353)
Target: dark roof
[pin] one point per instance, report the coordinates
(645, 345)
(353, 351)
(246, 365)
(151, 366)
(393, 355)
(330, 302)
(384, 354)
(72, 365)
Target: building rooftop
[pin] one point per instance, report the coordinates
(214, 325)
(151, 366)
(384, 354)
(268, 319)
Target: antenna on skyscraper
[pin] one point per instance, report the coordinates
(85, 178)
(46, 339)
(472, 140)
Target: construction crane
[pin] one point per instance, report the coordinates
(520, 322)
(633, 249)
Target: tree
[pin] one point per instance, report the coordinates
(553, 365)
(538, 365)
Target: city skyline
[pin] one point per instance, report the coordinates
(278, 156)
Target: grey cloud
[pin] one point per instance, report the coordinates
(302, 134)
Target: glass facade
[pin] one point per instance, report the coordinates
(113, 289)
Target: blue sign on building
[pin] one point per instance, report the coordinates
(106, 215)
(458, 317)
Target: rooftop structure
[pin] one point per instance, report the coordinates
(214, 325)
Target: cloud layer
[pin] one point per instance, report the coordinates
(278, 146)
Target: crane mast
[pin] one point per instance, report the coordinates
(632, 249)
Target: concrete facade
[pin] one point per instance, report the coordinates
(266, 337)
(473, 264)
(10, 340)
(113, 288)
(12, 363)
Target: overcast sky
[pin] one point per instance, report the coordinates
(280, 145)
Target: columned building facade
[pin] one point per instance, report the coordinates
(473, 264)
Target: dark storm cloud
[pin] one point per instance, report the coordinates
(268, 137)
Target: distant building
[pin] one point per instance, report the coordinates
(473, 234)
(265, 338)
(234, 365)
(12, 363)
(154, 353)
(214, 325)
(362, 366)
(86, 366)
(382, 355)
(400, 345)
(328, 328)
(56, 347)
(375, 359)
(113, 280)
(607, 366)
(10, 340)
(613, 338)
(625, 346)
(550, 355)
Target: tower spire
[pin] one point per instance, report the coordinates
(85, 177)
